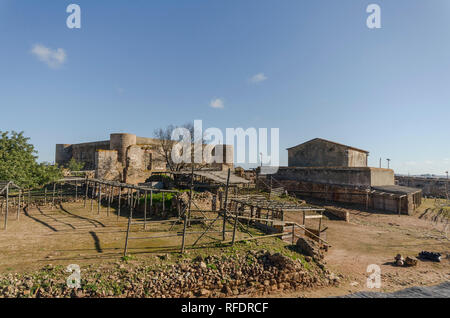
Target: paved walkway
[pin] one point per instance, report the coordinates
(438, 291)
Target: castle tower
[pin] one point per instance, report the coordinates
(121, 142)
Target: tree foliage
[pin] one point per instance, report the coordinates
(18, 162)
(75, 165)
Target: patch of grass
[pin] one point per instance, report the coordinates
(157, 198)
(127, 258)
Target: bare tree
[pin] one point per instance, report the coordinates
(164, 135)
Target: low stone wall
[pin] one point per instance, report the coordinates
(340, 214)
(430, 187)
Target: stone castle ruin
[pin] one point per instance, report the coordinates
(127, 157)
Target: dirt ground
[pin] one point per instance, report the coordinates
(375, 238)
(74, 235)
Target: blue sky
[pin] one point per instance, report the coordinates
(317, 71)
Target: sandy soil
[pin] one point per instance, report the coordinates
(374, 238)
(74, 235)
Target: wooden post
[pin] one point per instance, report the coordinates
(7, 206)
(99, 197)
(45, 196)
(320, 222)
(109, 201)
(53, 195)
(234, 228)
(214, 203)
(225, 206)
(183, 240)
(151, 202)
(18, 206)
(76, 191)
(92, 196)
(136, 201)
(190, 195)
(118, 203)
(128, 230)
(145, 210)
(86, 193)
(293, 234)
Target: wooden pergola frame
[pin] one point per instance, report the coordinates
(4, 190)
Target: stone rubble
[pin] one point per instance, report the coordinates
(251, 274)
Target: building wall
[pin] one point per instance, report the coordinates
(322, 153)
(381, 177)
(350, 176)
(356, 158)
(318, 154)
(107, 165)
(84, 152)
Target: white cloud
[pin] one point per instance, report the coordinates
(53, 58)
(217, 103)
(257, 78)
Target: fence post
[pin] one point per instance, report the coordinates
(293, 233)
(234, 228)
(53, 195)
(99, 197)
(86, 193)
(118, 203)
(128, 230)
(145, 210)
(225, 205)
(7, 205)
(18, 206)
